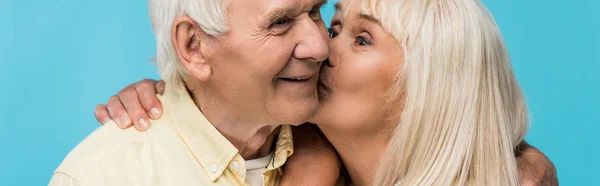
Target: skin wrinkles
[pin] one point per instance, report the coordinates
(351, 67)
(262, 34)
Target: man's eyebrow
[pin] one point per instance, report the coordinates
(288, 11)
(280, 13)
(369, 18)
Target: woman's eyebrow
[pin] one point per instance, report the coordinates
(369, 18)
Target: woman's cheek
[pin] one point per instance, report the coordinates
(360, 76)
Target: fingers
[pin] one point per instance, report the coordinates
(131, 102)
(134, 105)
(160, 87)
(146, 91)
(117, 112)
(101, 114)
(535, 168)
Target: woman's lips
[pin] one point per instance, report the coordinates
(324, 75)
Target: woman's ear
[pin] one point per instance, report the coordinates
(188, 41)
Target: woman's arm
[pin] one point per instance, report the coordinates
(138, 103)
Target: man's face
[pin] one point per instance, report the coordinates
(268, 63)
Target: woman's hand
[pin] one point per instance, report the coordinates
(534, 167)
(136, 104)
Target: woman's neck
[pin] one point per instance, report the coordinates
(360, 153)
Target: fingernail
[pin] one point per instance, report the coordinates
(143, 123)
(124, 121)
(105, 120)
(155, 113)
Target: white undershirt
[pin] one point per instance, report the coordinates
(255, 168)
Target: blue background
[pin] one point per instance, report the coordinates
(60, 58)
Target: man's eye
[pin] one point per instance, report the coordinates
(282, 21)
(362, 41)
(332, 33)
(281, 26)
(315, 13)
(314, 10)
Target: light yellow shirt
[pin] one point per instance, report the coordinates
(181, 148)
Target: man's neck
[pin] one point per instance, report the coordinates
(252, 139)
(359, 153)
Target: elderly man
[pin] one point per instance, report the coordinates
(233, 78)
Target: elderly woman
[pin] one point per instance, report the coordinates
(416, 92)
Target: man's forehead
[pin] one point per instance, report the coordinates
(268, 11)
(270, 4)
(282, 4)
(297, 1)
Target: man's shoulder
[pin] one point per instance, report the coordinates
(108, 147)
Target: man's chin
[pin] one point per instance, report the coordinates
(292, 115)
(301, 118)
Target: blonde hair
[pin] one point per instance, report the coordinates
(210, 16)
(463, 112)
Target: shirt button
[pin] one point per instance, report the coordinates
(235, 165)
(213, 168)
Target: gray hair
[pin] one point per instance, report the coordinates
(210, 16)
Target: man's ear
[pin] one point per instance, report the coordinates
(189, 42)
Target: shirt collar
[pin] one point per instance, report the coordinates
(210, 148)
(283, 149)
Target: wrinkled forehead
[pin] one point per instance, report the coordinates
(296, 2)
(268, 7)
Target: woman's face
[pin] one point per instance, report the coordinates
(364, 60)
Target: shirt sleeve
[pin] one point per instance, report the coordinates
(60, 179)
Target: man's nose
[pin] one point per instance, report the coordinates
(312, 43)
